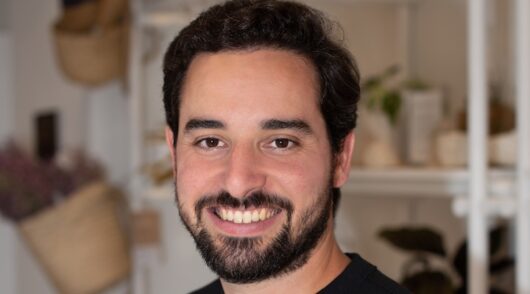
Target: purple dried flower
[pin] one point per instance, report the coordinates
(25, 187)
(28, 186)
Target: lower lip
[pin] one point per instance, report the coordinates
(243, 230)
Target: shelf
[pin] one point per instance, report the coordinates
(167, 16)
(363, 1)
(423, 182)
(165, 19)
(399, 182)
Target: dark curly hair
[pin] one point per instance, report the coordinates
(253, 24)
(248, 24)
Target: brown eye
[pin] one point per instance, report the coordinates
(210, 143)
(282, 143)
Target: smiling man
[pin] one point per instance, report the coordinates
(261, 105)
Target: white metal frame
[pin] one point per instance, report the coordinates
(8, 239)
(478, 214)
(477, 101)
(522, 77)
(142, 258)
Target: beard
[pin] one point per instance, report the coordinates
(253, 259)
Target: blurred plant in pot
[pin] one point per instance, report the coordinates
(70, 218)
(420, 276)
(75, 169)
(501, 125)
(28, 186)
(501, 116)
(377, 95)
(378, 116)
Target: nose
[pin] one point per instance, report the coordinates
(243, 174)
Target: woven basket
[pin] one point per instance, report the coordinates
(111, 12)
(81, 17)
(80, 243)
(95, 57)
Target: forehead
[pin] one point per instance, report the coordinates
(266, 82)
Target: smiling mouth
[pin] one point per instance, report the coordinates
(246, 216)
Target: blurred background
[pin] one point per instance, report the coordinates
(85, 182)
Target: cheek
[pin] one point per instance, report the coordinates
(191, 178)
(303, 181)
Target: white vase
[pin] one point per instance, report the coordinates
(451, 149)
(379, 139)
(503, 149)
(422, 115)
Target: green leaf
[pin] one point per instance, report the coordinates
(415, 239)
(371, 83)
(416, 85)
(391, 103)
(429, 282)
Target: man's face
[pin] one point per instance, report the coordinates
(252, 162)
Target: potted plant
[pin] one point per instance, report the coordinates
(378, 118)
(425, 244)
(68, 217)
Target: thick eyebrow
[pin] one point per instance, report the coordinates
(277, 124)
(197, 123)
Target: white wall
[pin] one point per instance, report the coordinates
(441, 48)
(94, 119)
(107, 130)
(371, 32)
(6, 90)
(7, 241)
(441, 58)
(4, 18)
(38, 85)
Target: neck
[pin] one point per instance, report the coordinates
(326, 259)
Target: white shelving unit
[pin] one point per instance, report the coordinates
(477, 227)
(478, 193)
(522, 76)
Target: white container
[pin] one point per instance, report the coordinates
(503, 149)
(451, 149)
(421, 116)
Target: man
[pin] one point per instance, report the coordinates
(261, 105)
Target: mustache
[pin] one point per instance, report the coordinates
(256, 199)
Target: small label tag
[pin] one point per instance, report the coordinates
(146, 228)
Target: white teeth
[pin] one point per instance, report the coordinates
(246, 216)
(262, 214)
(255, 216)
(238, 217)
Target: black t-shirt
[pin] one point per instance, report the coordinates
(358, 277)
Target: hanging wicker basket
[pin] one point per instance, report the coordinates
(80, 243)
(93, 57)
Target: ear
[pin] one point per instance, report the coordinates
(170, 143)
(343, 161)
